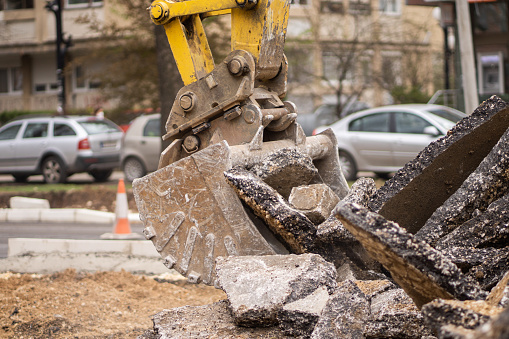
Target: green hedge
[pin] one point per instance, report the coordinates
(9, 115)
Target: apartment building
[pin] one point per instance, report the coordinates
(360, 48)
(28, 66)
(381, 39)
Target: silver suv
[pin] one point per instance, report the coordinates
(58, 147)
(142, 146)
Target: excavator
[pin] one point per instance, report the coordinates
(230, 114)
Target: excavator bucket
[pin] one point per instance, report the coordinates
(192, 215)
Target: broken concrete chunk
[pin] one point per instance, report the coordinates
(293, 228)
(331, 230)
(489, 229)
(285, 169)
(442, 167)
(504, 302)
(497, 293)
(486, 265)
(315, 201)
(467, 257)
(337, 245)
(259, 286)
(467, 314)
(298, 319)
(492, 269)
(454, 332)
(372, 288)
(423, 272)
(361, 191)
(496, 328)
(394, 315)
(345, 314)
(489, 182)
(209, 321)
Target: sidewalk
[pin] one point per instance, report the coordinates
(45, 256)
(38, 210)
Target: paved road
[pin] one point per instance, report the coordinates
(54, 231)
(78, 178)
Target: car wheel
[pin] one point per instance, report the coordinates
(101, 175)
(20, 178)
(133, 169)
(53, 170)
(348, 166)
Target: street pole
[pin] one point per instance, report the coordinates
(55, 6)
(467, 56)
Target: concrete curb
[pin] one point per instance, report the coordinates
(74, 215)
(22, 246)
(45, 256)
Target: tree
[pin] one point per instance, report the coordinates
(361, 52)
(138, 68)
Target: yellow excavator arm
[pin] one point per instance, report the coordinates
(237, 99)
(257, 27)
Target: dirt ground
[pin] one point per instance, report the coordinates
(71, 304)
(83, 305)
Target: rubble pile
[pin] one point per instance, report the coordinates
(424, 256)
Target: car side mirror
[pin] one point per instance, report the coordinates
(431, 130)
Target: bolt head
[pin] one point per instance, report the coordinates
(191, 143)
(157, 11)
(249, 116)
(186, 102)
(235, 66)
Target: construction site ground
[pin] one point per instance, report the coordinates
(72, 304)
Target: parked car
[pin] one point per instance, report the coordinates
(384, 139)
(58, 147)
(326, 115)
(141, 146)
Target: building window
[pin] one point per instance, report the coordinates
(332, 6)
(490, 17)
(16, 4)
(391, 70)
(81, 80)
(338, 67)
(365, 65)
(299, 2)
(390, 6)
(11, 80)
(359, 7)
(84, 3)
(300, 64)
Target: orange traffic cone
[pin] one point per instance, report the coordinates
(122, 222)
(122, 228)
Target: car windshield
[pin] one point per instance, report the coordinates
(98, 126)
(443, 113)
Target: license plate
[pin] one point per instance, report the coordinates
(108, 144)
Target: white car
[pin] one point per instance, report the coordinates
(141, 146)
(59, 146)
(384, 139)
